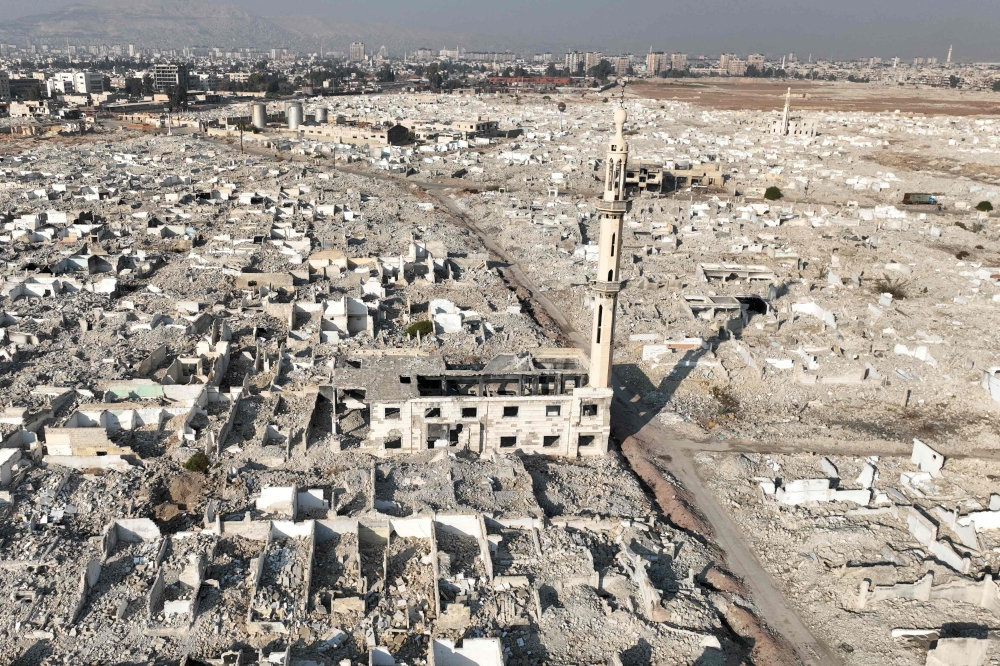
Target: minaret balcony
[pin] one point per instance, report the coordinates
(602, 287)
(614, 206)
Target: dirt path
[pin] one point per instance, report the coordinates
(769, 649)
(652, 441)
(632, 421)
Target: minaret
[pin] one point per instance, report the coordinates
(784, 117)
(611, 208)
(950, 46)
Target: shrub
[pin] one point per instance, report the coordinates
(728, 402)
(424, 327)
(197, 463)
(984, 206)
(772, 193)
(896, 287)
(977, 227)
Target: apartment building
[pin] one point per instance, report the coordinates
(592, 59)
(656, 62)
(572, 61)
(168, 76)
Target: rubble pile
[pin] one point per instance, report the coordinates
(263, 402)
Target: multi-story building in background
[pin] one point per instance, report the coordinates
(736, 67)
(572, 61)
(488, 56)
(423, 55)
(88, 83)
(357, 51)
(168, 76)
(59, 86)
(656, 62)
(4, 87)
(621, 64)
(678, 61)
(20, 87)
(591, 59)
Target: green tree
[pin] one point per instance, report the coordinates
(996, 86)
(199, 463)
(242, 126)
(147, 84)
(433, 75)
(772, 193)
(423, 327)
(133, 87)
(385, 74)
(178, 98)
(551, 70)
(984, 206)
(953, 81)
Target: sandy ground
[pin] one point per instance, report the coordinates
(764, 95)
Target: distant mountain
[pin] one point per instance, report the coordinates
(333, 35)
(153, 23)
(180, 23)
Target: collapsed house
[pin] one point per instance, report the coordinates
(535, 402)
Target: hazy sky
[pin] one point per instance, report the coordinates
(826, 28)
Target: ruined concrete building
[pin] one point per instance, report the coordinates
(536, 402)
(550, 401)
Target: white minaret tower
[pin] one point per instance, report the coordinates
(611, 208)
(950, 47)
(784, 116)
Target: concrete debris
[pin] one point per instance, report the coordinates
(321, 397)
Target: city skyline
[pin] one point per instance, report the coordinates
(849, 30)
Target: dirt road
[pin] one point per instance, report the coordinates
(631, 420)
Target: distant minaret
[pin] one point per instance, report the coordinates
(948, 61)
(612, 208)
(784, 116)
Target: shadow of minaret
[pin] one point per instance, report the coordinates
(631, 411)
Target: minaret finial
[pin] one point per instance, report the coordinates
(621, 95)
